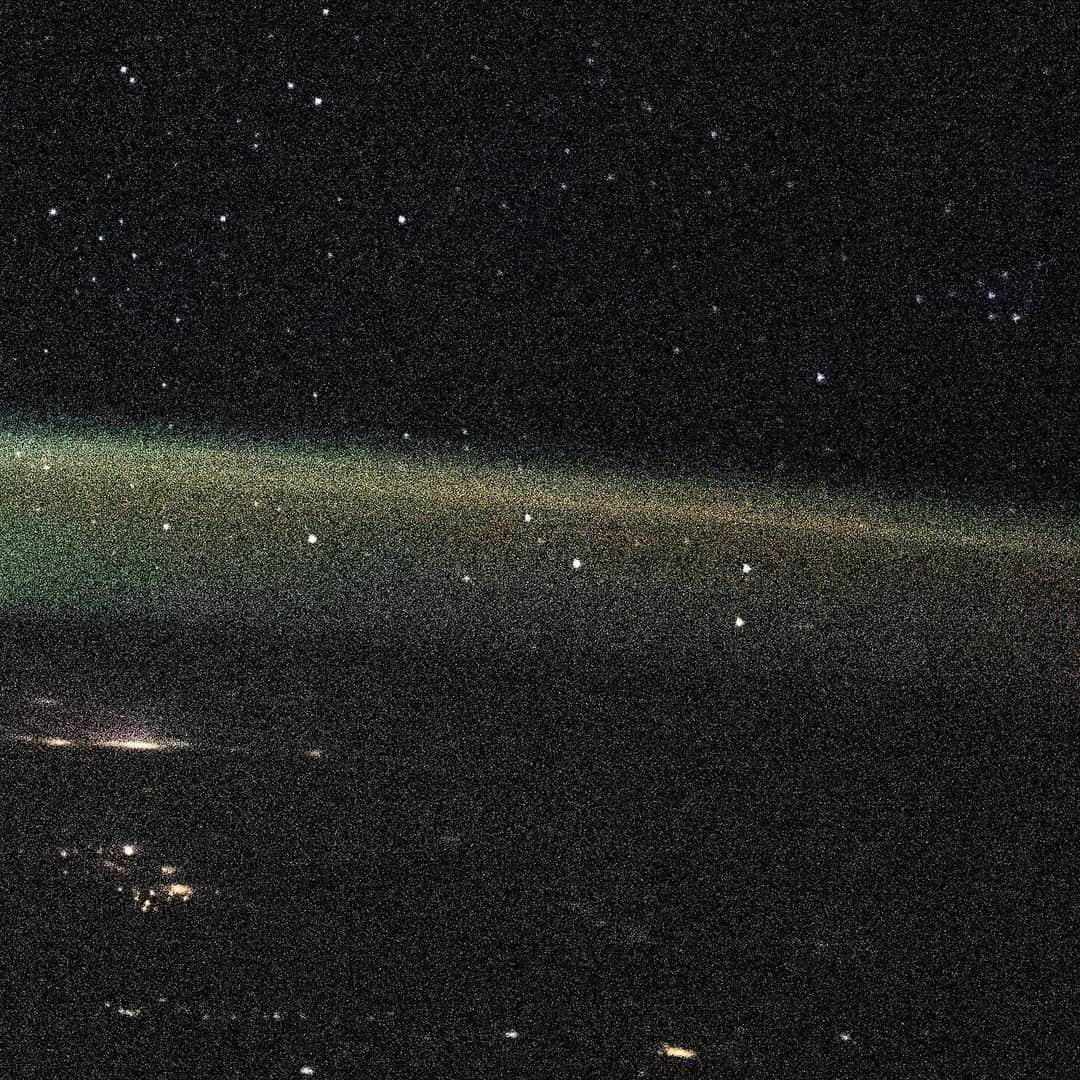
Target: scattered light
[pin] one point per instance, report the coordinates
(129, 850)
(513, 1034)
(820, 376)
(677, 1052)
(845, 1036)
(63, 853)
(176, 890)
(1015, 316)
(165, 526)
(315, 753)
(307, 1070)
(167, 870)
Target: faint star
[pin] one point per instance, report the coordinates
(739, 621)
(746, 568)
(53, 211)
(576, 564)
(820, 377)
(318, 102)
(401, 219)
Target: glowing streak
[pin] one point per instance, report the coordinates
(677, 1052)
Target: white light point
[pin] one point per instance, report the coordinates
(129, 850)
(1015, 316)
(222, 218)
(312, 538)
(746, 568)
(306, 1070)
(576, 564)
(528, 518)
(845, 1036)
(290, 86)
(401, 219)
(165, 526)
(53, 211)
(739, 622)
(820, 376)
(318, 102)
(513, 1034)
(123, 69)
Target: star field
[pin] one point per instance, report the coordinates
(626, 238)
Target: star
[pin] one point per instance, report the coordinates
(577, 564)
(312, 538)
(401, 219)
(53, 211)
(318, 102)
(739, 621)
(746, 568)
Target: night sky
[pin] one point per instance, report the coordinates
(798, 240)
(538, 541)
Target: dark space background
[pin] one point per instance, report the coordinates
(636, 235)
